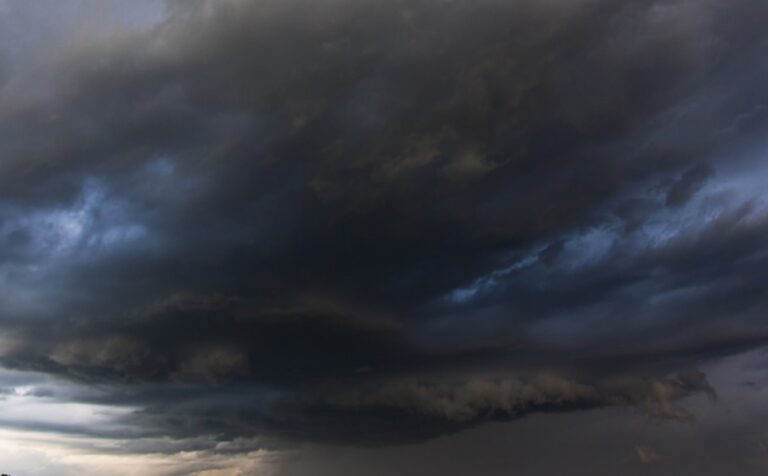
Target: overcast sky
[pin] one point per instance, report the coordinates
(406, 237)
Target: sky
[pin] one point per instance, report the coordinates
(412, 237)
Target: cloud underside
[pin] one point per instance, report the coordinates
(378, 223)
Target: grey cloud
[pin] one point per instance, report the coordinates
(658, 397)
(223, 340)
(282, 197)
(475, 398)
(484, 398)
(680, 191)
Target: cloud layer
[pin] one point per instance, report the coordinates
(380, 222)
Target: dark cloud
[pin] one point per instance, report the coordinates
(680, 191)
(332, 220)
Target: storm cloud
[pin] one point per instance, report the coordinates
(376, 223)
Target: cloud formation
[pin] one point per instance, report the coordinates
(304, 221)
